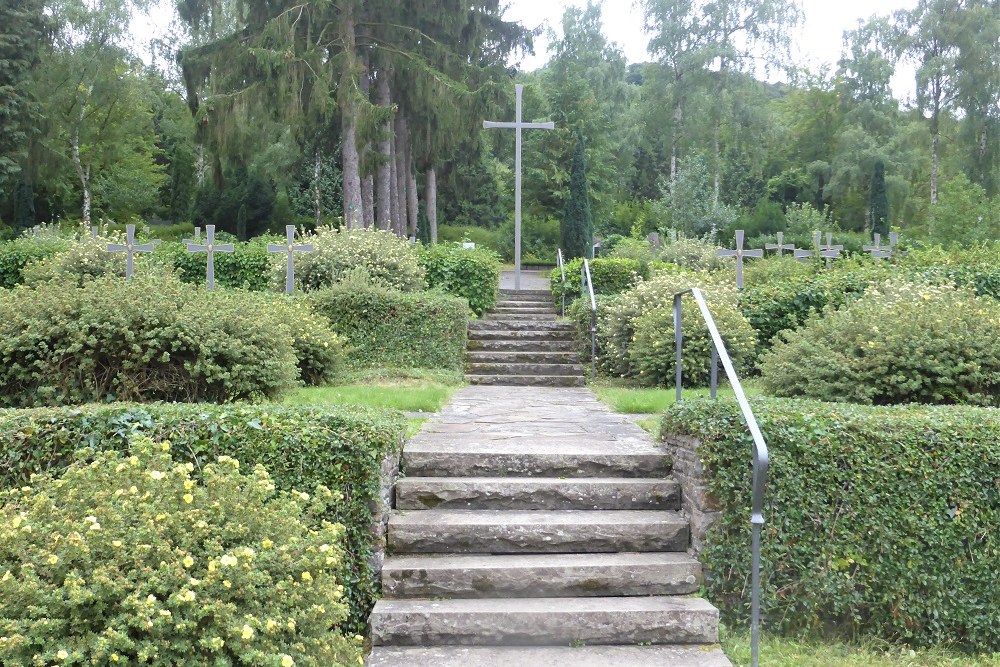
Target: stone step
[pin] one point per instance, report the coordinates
(540, 303)
(521, 317)
(526, 294)
(541, 335)
(540, 531)
(440, 455)
(526, 493)
(526, 369)
(545, 621)
(525, 308)
(508, 324)
(522, 345)
(517, 357)
(555, 575)
(548, 656)
(527, 380)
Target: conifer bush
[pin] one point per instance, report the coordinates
(130, 559)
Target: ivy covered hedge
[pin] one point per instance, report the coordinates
(880, 521)
(473, 274)
(301, 447)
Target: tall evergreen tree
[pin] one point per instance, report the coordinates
(577, 232)
(879, 207)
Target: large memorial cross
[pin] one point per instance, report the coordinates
(130, 248)
(518, 125)
(739, 254)
(290, 249)
(210, 248)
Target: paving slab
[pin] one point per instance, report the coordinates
(549, 656)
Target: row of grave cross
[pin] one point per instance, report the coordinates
(210, 247)
(827, 251)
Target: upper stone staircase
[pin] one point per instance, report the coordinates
(521, 342)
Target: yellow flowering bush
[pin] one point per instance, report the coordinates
(83, 260)
(127, 559)
(901, 342)
(319, 350)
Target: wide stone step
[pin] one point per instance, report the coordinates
(526, 294)
(521, 317)
(439, 455)
(526, 532)
(540, 303)
(550, 575)
(508, 324)
(545, 621)
(575, 369)
(537, 335)
(548, 656)
(526, 493)
(521, 345)
(516, 357)
(527, 380)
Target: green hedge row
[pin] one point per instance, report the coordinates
(18, 253)
(471, 274)
(301, 447)
(382, 327)
(880, 521)
(610, 276)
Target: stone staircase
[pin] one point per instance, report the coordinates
(521, 342)
(535, 528)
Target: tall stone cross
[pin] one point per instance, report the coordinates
(830, 251)
(130, 248)
(780, 246)
(210, 248)
(878, 251)
(517, 126)
(739, 254)
(290, 250)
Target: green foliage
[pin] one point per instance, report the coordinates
(151, 338)
(382, 327)
(481, 236)
(539, 240)
(899, 343)
(471, 274)
(131, 560)
(387, 259)
(610, 276)
(83, 260)
(301, 447)
(576, 233)
(687, 204)
(879, 520)
(25, 24)
(319, 351)
(18, 253)
(964, 214)
(248, 267)
(694, 254)
(878, 211)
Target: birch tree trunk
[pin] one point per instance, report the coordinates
(318, 187)
(82, 173)
(430, 202)
(384, 181)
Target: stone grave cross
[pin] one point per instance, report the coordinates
(780, 246)
(893, 242)
(739, 254)
(878, 251)
(518, 125)
(210, 248)
(130, 248)
(290, 251)
(830, 251)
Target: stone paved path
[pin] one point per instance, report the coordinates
(531, 279)
(534, 527)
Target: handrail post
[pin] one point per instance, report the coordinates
(714, 386)
(562, 270)
(679, 342)
(585, 275)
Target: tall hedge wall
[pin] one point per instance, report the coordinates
(301, 447)
(880, 521)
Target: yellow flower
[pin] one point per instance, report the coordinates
(157, 475)
(286, 661)
(228, 561)
(62, 654)
(211, 566)
(188, 485)
(165, 446)
(267, 543)
(114, 657)
(306, 576)
(133, 490)
(188, 596)
(188, 561)
(227, 583)
(117, 544)
(188, 498)
(53, 559)
(247, 632)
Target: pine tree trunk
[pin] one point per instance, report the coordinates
(412, 204)
(393, 190)
(201, 165)
(368, 200)
(384, 184)
(430, 202)
(317, 187)
(400, 141)
(349, 122)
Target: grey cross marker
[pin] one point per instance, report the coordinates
(739, 254)
(878, 251)
(130, 248)
(780, 246)
(290, 250)
(518, 125)
(893, 242)
(93, 232)
(197, 237)
(830, 251)
(803, 255)
(211, 248)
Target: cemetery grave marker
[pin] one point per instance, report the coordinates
(518, 125)
(878, 251)
(830, 251)
(739, 254)
(290, 249)
(780, 246)
(210, 248)
(893, 242)
(130, 248)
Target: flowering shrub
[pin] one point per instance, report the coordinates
(388, 260)
(129, 559)
(899, 343)
(83, 260)
(320, 351)
(18, 253)
(610, 275)
(695, 254)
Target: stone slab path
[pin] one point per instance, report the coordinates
(534, 527)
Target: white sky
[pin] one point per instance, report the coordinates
(817, 41)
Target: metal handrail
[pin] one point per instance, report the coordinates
(760, 454)
(585, 278)
(562, 269)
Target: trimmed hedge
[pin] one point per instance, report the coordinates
(301, 447)
(471, 274)
(382, 327)
(610, 275)
(248, 267)
(880, 521)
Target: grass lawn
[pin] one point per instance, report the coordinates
(785, 652)
(633, 400)
(409, 391)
